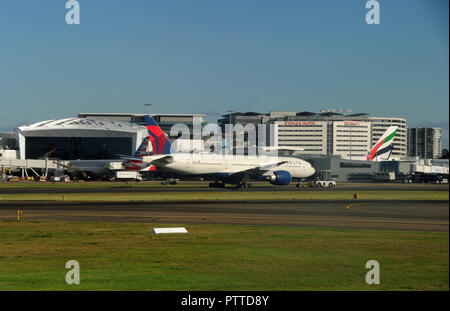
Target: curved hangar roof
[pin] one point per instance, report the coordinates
(81, 127)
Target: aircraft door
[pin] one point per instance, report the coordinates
(188, 162)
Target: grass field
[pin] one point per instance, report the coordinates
(120, 256)
(234, 195)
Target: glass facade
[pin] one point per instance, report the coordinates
(424, 142)
(74, 148)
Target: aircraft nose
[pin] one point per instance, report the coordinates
(311, 170)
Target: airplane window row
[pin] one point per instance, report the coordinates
(295, 163)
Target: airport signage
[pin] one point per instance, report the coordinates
(299, 123)
(356, 123)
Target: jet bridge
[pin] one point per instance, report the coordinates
(24, 165)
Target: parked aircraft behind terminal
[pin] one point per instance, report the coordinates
(224, 168)
(100, 168)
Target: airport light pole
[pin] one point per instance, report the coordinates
(147, 105)
(230, 112)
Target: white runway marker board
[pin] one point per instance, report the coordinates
(169, 230)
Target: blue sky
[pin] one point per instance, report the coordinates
(208, 56)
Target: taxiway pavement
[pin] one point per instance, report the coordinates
(373, 214)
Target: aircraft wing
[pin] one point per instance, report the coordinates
(258, 170)
(158, 160)
(73, 169)
(161, 161)
(131, 159)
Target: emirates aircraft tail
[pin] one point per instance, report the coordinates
(382, 150)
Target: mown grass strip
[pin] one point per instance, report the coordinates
(232, 195)
(121, 256)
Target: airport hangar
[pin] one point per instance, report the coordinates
(79, 138)
(92, 136)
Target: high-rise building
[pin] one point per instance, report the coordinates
(425, 142)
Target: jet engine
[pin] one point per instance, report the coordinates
(280, 178)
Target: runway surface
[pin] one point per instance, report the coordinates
(202, 187)
(403, 215)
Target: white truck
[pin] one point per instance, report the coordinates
(322, 180)
(324, 184)
(128, 175)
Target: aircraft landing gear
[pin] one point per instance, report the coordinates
(243, 185)
(170, 181)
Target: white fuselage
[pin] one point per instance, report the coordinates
(204, 164)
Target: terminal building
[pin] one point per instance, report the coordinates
(404, 170)
(8, 145)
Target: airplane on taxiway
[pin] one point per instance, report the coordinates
(224, 168)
